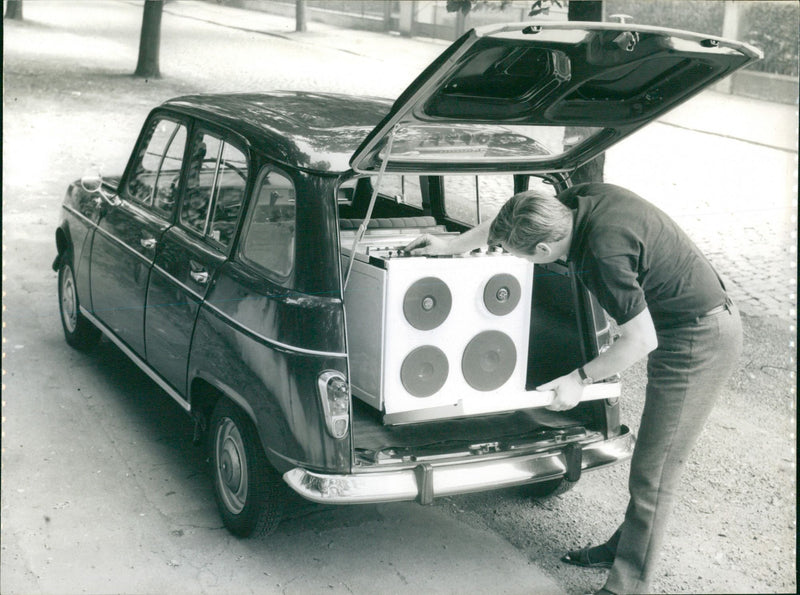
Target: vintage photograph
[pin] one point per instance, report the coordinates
(399, 296)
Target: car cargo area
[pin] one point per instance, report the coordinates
(375, 442)
(553, 343)
(554, 349)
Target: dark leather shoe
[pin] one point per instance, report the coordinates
(599, 556)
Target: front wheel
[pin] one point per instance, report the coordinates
(249, 492)
(78, 331)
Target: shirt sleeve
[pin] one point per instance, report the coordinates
(611, 273)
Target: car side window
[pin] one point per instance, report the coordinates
(216, 179)
(404, 189)
(270, 234)
(472, 199)
(467, 196)
(156, 172)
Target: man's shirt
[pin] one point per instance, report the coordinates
(631, 255)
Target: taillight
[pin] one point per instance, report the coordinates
(335, 394)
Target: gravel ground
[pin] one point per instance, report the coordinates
(69, 102)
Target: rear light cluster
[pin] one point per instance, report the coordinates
(335, 395)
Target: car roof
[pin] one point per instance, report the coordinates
(304, 130)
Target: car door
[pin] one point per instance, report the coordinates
(127, 237)
(190, 252)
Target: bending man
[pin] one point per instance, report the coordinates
(671, 307)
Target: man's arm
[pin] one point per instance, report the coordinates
(637, 340)
(469, 240)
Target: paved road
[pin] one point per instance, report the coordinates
(102, 490)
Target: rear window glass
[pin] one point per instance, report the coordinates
(472, 199)
(270, 235)
(403, 189)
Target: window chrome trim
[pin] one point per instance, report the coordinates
(138, 361)
(212, 200)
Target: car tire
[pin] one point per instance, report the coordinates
(78, 331)
(250, 494)
(551, 488)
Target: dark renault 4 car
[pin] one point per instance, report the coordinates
(250, 260)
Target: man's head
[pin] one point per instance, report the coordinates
(533, 225)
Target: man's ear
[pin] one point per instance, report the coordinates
(543, 249)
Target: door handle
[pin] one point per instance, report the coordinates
(200, 276)
(148, 243)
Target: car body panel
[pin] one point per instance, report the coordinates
(174, 294)
(277, 384)
(123, 251)
(307, 131)
(81, 210)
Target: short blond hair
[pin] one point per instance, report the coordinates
(529, 218)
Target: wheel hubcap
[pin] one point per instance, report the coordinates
(69, 310)
(231, 465)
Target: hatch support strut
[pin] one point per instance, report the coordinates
(363, 227)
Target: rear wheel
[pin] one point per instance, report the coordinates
(249, 492)
(78, 331)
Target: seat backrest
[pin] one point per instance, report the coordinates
(390, 223)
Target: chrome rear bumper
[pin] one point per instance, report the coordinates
(430, 480)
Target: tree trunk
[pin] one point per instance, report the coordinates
(387, 16)
(300, 15)
(150, 40)
(586, 10)
(14, 10)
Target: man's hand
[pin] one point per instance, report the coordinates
(568, 391)
(450, 244)
(427, 244)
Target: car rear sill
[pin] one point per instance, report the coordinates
(137, 360)
(431, 480)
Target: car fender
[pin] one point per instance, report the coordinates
(225, 390)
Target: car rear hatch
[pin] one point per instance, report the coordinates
(543, 97)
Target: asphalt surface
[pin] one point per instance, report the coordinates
(102, 491)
